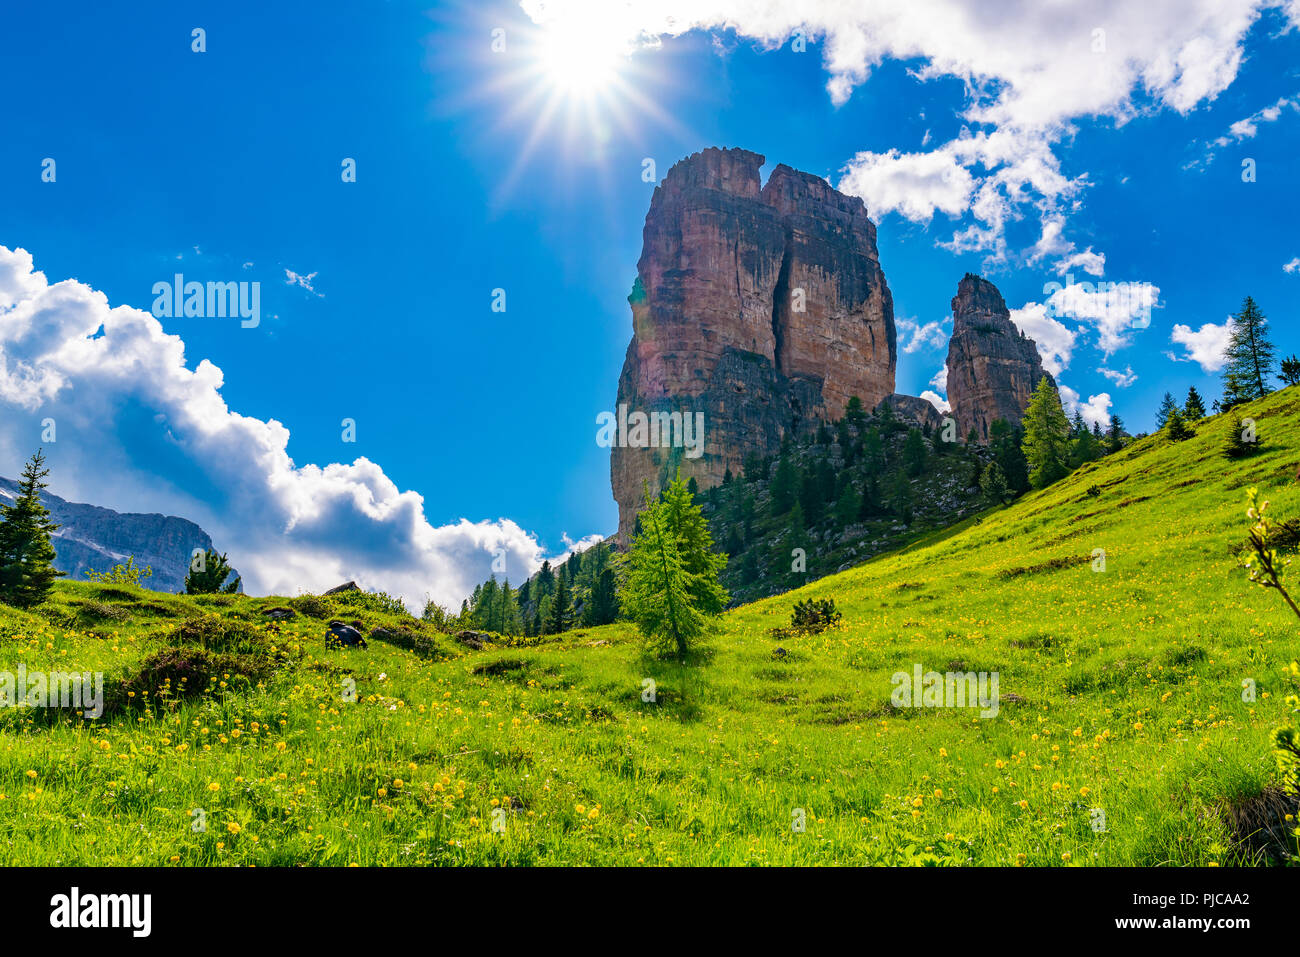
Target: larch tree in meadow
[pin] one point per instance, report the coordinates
(1047, 435)
(688, 525)
(27, 571)
(657, 595)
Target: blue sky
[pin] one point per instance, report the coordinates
(225, 165)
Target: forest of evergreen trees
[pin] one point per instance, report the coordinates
(579, 591)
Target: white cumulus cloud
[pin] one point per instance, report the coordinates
(1205, 346)
(914, 185)
(1031, 70)
(139, 430)
(1054, 340)
(936, 400)
(1095, 410)
(930, 335)
(1122, 379)
(1115, 309)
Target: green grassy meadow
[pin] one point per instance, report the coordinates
(1120, 691)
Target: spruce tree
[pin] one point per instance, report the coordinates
(854, 411)
(914, 452)
(27, 571)
(870, 504)
(1006, 444)
(888, 420)
(1289, 370)
(784, 486)
(602, 607)
(1167, 407)
(993, 483)
(209, 577)
(1249, 356)
(1047, 431)
(1176, 426)
(901, 498)
(1239, 441)
(810, 497)
(559, 620)
(1194, 407)
(795, 522)
(1115, 434)
(1084, 447)
(848, 505)
(873, 452)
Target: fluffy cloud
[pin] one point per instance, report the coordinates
(1122, 379)
(1030, 69)
(931, 335)
(1095, 411)
(1294, 264)
(581, 545)
(1052, 244)
(914, 185)
(1245, 129)
(1204, 346)
(139, 430)
(940, 378)
(1055, 342)
(936, 400)
(1116, 309)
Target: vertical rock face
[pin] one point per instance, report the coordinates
(764, 308)
(833, 314)
(993, 368)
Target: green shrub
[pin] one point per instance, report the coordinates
(128, 574)
(814, 616)
(214, 633)
(100, 611)
(374, 601)
(176, 674)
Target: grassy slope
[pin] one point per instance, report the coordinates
(1130, 681)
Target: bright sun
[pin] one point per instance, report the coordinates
(579, 60)
(582, 84)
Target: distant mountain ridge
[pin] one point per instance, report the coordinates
(93, 537)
